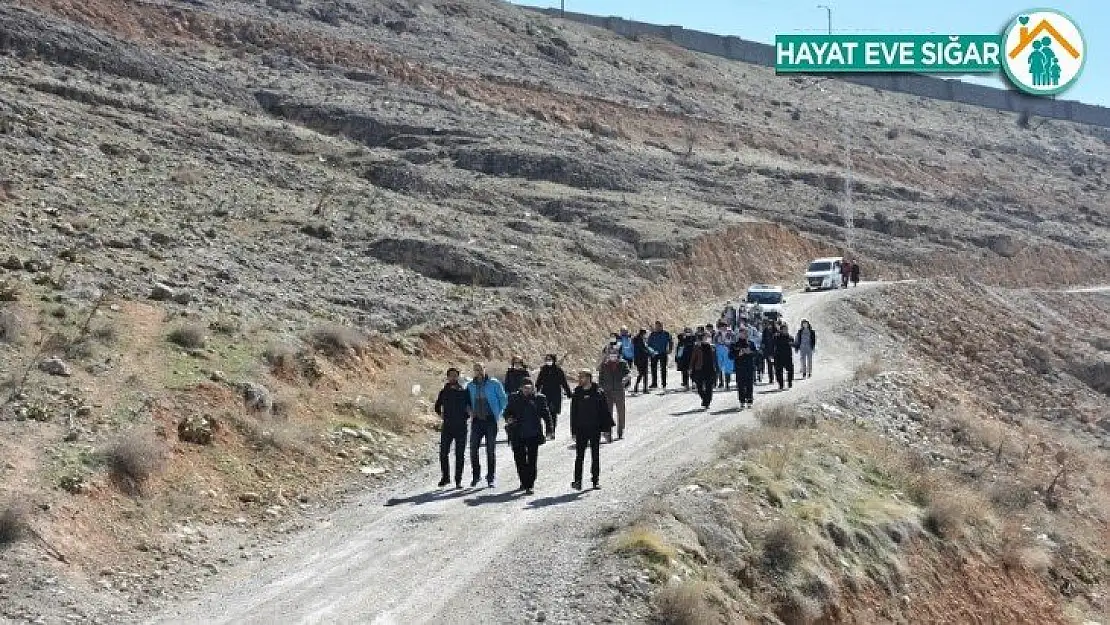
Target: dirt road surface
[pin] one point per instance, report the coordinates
(411, 553)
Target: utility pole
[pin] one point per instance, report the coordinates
(849, 210)
(828, 14)
(562, 8)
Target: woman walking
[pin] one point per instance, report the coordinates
(805, 344)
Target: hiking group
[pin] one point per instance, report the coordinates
(744, 344)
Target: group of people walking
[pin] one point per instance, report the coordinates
(849, 272)
(739, 346)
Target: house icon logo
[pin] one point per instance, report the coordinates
(1044, 51)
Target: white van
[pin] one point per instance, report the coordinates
(767, 299)
(823, 273)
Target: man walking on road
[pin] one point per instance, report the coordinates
(590, 415)
(845, 273)
(784, 356)
(552, 382)
(487, 405)
(612, 377)
(685, 349)
(745, 358)
(453, 405)
(661, 342)
(855, 273)
(527, 417)
(805, 344)
(703, 369)
(768, 345)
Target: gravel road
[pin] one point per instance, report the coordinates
(493, 556)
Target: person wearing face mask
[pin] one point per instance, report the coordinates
(590, 416)
(612, 377)
(516, 375)
(703, 369)
(642, 354)
(784, 356)
(661, 344)
(526, 416)
(453, 405)
(686, 342)
(552, 382)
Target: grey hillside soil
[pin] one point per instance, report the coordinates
(482, 556)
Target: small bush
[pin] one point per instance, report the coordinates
(189, 336)
(1011, 496)
(643, 542)
(1027, 558)
(133, 459)
(106, 333)
(946, 517)
(869, 369)
(784, 548)
(892, 133)
(782, 416)
(13, 523)
(10, 328)
(746, 439)
(683, 604)
(337, 340)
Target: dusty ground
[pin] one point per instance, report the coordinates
(323, 203)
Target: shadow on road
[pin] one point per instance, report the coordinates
(771, 391)
(726, 411)
(686, 413)
(544, 502)
(497, 498)
(428, 497)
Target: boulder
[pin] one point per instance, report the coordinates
(197, 429)
(56, 366)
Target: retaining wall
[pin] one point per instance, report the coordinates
(739, 49)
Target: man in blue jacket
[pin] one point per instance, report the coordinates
(487, 405)
(628, 351)
(661, 343)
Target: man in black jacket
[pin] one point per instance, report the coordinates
(703, 368)
(452, 405)
(745, 358)
(552, 382)
(589, 417)
(516, 375)
(685, 349)
(527, 417)
(784, 356)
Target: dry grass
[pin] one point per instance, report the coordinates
(683, 603)
(134, 458)
(284, 436)
(11, 330)
(337, 341)
(1011, 496)
(869, 369)
(735, 442)
(953, 510)
(1017, 557)
(782, 416)
(13, 523)
(784, 547)
(189, 336)
(644, 542)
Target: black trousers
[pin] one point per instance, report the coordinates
(658, 361)
(479, 431)
(784, 365)
(526, 455)
(446, 438)
(745, 386)
(759, 367)
(705, 389)
(685, 377)
(594, 444)
(641, 374)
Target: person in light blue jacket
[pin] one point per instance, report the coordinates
(628, 350)
(487, 404)
(755, 342)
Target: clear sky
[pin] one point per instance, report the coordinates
(761, 20)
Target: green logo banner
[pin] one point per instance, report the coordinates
(926, 54)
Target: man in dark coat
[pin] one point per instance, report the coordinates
(685, 349)
(855, 273)
(453, 405)
(745, 358)
(527, 417)
(768, 345)
(703, 369)
(590, 415)
(784, 356)
(641, 357)
(552, 382)
(661, 344)
(516, 375)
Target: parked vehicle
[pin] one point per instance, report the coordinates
(823, 273)
(766, 298)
